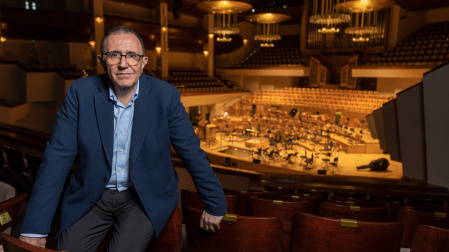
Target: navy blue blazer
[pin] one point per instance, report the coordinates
(85, 126)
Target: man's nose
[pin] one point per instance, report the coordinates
(123, 62)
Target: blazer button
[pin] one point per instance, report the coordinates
(91, 201)
(105, 179)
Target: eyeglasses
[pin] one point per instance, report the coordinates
(115, 58)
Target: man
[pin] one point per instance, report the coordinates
(122, 125)
(337, 117)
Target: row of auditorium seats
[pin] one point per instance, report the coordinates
(313, 207)
(285, 53)
(189, 80)
(350, 100)
(428, 46)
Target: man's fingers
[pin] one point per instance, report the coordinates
(210, 222)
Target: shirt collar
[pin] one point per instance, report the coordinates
(113, 97)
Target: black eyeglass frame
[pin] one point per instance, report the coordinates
(126, 56)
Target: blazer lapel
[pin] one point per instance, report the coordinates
(142, 112)
(104, 111)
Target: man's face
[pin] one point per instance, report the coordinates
(122, 75)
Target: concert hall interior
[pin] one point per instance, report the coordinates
(342, 96)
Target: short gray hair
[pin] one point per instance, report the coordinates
(118, 30)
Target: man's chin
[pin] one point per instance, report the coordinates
(125, 84)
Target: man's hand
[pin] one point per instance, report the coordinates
(209, 222)
(36, 241)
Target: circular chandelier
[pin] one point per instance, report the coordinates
(267, 27)
(330, 19)
(225, 17)
(360, 39)
(362, 6)
(325, 15)
(364, 21)
(328, 30)
(361, 30)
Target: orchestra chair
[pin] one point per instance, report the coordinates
(192, 199)
(9, 210)
(170, 239)
(430, 239)
(283, 210)
(237, 233)
(12, 244)
(323, 234)
(373, 214)
(413, 218)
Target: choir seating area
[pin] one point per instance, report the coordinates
(362, 101)
(286, 52)
(428, 46)
(190, 80)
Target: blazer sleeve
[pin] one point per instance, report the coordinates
(187, 146)
(58, 158)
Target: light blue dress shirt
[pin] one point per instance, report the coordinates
(123, 124)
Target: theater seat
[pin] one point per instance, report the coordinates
(277, 208)
(9, 210)
(413, 218)
(360, 213)
(192, 199)
(323, 234)
(12, 244)
(430, 239)
(240, 233)
(170, 239)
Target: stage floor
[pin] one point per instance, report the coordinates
(347, 162)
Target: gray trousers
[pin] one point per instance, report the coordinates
(120, 213)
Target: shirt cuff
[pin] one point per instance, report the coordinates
(34, 235)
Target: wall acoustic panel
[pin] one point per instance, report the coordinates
(411, 131)
(436, 117)
(372, 125)
(391, 130)
(380, 127)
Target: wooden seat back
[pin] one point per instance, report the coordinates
(323, 234)
(192, 199)
(262, 234)
(9, 210)
(351, 201)
(283, 210)
(12, 244)
(312, 200)
(430, 239)
(242, 198)
(374, 214)
(170, 239)
(413, 218)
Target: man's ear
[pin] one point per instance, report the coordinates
(101, 61)
(144, 61)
